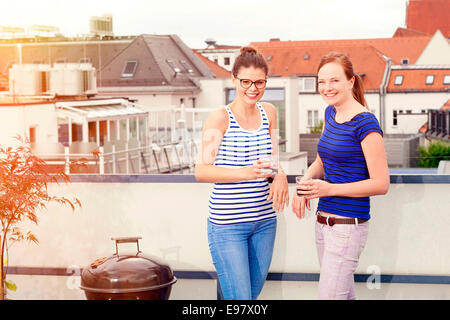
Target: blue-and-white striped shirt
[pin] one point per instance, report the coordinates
(242, 201)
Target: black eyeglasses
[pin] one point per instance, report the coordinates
(247, 83)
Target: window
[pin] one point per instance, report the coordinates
(44, 81)
(313, 118)
(85, 60)
(404, 61)
(394, 118)
(430, 79)
(129, 69)
(307, 84)
(32, 134)
(447, 79)
(226, 61)
(398, 80)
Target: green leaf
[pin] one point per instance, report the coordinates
(11, 286)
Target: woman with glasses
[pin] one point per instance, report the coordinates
(350, 166)
(242, 205)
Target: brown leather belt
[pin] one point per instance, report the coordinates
(330, 221)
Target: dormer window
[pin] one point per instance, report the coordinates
(398, 80)
(430, 79)
(404, 61)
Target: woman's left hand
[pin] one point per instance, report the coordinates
(314, 188)
(279, 192)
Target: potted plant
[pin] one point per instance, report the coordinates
(23, 189)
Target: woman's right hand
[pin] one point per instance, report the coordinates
(298, 205)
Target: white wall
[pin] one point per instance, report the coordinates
(16, 120)
(437, 51)
(415, 102)
(405, 237)
(213, 92)
(313, 101)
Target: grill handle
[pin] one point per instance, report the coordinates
(126, 240)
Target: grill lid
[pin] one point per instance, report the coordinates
(123, 273)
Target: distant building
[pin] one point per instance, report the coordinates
(101, 26)
(155, 70)
(428, 16)
(222, 55)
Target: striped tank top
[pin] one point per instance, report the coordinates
(343, 160)
(243, 201)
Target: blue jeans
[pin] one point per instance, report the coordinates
(241, 254)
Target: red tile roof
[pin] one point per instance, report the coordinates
(446, 106)
(395, 48)
(414, 80)
(287, 58)
(218, 71)
(404, 32)
(428, 16)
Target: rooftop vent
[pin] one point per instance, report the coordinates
(210, 42)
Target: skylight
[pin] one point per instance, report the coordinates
(171, 63)
(398, 80)
(129, 69)
(447, 79)
(186, 66)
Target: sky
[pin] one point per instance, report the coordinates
(232, 22)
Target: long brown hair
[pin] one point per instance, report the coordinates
(249, 57)
(344, 61)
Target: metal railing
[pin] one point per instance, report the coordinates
(170, 146)
(439, 124)
(177, 157)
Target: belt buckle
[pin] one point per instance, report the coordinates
(330, 222)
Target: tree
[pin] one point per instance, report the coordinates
(23, 189)
(429, 157)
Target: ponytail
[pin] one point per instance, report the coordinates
(358, 91)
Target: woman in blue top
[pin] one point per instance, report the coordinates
(242, 205)
(350, 166)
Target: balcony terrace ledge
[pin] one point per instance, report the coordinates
(406, 255)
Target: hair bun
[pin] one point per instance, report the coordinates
(250, 50)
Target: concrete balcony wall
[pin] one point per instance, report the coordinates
(408, 237)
